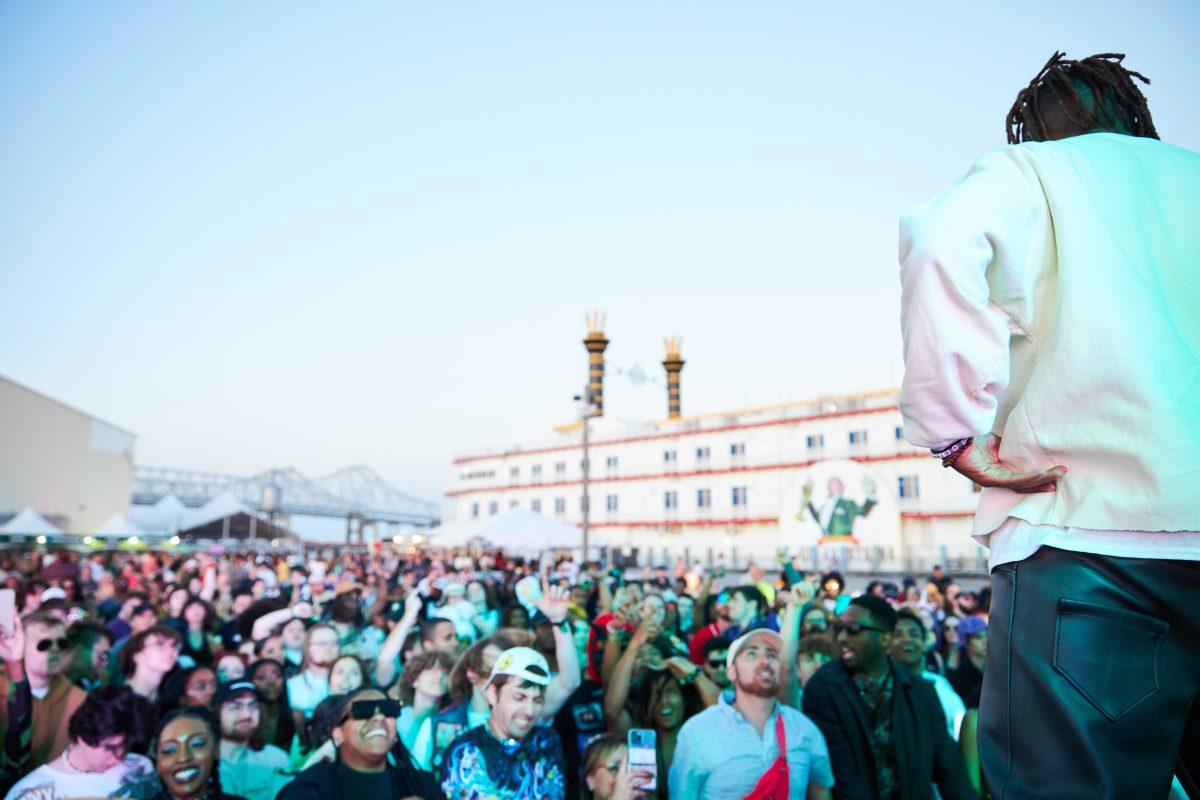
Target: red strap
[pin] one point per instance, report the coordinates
(774, 783)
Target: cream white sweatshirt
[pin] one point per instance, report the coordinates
(1052, 296)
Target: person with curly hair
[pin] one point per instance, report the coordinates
(98, 761)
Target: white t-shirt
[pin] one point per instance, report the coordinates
(304, 693)
(133, 778)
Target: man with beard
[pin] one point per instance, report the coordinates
(885, 728)
(249, 768)
(750, 742)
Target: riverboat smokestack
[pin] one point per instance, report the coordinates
(595, 344)
(673, 364)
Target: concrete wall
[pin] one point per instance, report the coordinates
(73, 469)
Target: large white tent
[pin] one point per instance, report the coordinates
(118, 526)
(453, 534)
(520, 530)
(222, 506)
(164, 517)
(28, 523)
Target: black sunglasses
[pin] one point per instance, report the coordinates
(46, 644)
(716, 662)
(365, 709)
(854, 628)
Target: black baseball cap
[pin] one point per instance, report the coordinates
(231, 689)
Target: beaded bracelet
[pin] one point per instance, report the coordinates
(950, 454)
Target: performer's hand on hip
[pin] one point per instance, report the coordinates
(981, 463)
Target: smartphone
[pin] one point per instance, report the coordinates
(8, 610)
(643, 756)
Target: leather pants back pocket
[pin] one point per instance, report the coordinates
(1109, 654)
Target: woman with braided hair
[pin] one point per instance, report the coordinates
(1049, 310)
(186, 748)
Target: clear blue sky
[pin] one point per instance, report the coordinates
(309, 234)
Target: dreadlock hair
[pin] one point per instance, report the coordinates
(1096, 92)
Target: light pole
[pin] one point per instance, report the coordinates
(586, 412)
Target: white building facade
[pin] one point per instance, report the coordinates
(724, 488)
(73, 469)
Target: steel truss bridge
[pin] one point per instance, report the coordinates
(354, 493)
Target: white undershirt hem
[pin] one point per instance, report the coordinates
(1016, 540)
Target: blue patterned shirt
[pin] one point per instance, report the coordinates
(478, 767)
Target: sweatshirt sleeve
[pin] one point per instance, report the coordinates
(956, 339)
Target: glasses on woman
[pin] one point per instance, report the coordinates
(365, 709)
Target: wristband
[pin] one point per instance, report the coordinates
(950, 454)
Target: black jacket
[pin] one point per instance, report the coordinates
(319, 782)
(925, 753)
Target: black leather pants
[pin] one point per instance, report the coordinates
(1092, 686)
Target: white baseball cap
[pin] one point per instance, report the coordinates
(741, 641)
(522, 662)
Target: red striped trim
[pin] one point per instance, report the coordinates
(681, 434)
(691, 474)
(709, 523)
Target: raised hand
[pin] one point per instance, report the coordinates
(553, 602)
(302, 610)
(981, 463)
(680, 666)
(647, 631)
(12, 647)
(412, 606)
(629, 782)
(800, 594)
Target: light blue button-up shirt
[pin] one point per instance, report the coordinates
(721, 756)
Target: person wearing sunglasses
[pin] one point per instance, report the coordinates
(249, 767)
(43, 658)
(885, 728)
(713, 662)
(371, 761)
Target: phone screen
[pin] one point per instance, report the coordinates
(8, 610)
(643, 756)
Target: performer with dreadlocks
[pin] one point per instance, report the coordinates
(1051, 319)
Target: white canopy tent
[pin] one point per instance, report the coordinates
(453, 534)
(220, 507)
(28, 523)
(520, 530)
(164, 517)
(118, 526)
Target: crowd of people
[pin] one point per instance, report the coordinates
(208, 676)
